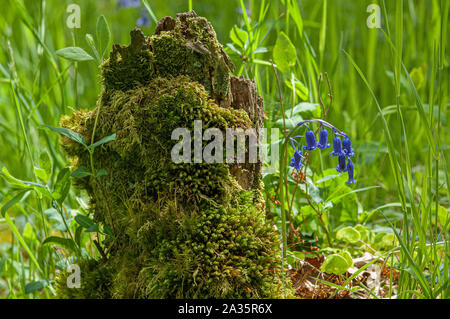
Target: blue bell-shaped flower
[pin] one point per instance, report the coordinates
(341, 166)
(350, 172)
(128, 4)
(310, 141)
(296, 160)
(337, 147)
(347, 146)
(323, 137)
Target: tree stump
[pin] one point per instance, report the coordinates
(186, 230)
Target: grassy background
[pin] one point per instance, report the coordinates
(390, 94)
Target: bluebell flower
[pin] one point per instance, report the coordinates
(128, 4)
(144, 20)
(296, 160)
(350, 172)
(323, 137)
(337, 147)
(341, 166)
(310, 141)
(347, 146)
(342, 149)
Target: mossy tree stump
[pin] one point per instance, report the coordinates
(180, 230)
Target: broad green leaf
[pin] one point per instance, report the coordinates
(284, 53)
(45, 162)
(348, 234)
(41, 174)
(91, 43)
(84, 221)
(74, 54)
(12, 180)
(80, 172)
(290, 122)
(389, 241)
(334, 264)
(103, 35)
(104, 140)
(339, 197)
(61, 242)
(327, 178)
(35, 285)
(347, 257)
(62, 185)
(92, 229)
(78, 233)
(364, 232)
(238, 36)
(306, 107)
(301, 91)
(101, 172)
(77, 137)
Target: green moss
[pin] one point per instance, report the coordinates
(180, 230)
(95, 282)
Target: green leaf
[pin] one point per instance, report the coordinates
(327, 178)
(80, 172)
(74, 54)
(12, 180)
(91, 43)
(290, 122)
(104, 140)
(347, 257)
(284, 53)
(443, 216)
(238, 36)
(28, 232)
(77, 137)
(78, 233)
(302, 92)
(45, 162)
(101, 172)
(94, 228)
(348, 234)
(41, 174)
(35, 285)
(84, 221)
(61, 242)
(364, 232)
(13, 201)
(309, 108)
(103, 35)
(389, 241)
(62, 185)
(334, 264)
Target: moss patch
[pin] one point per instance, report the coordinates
(180, 230)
